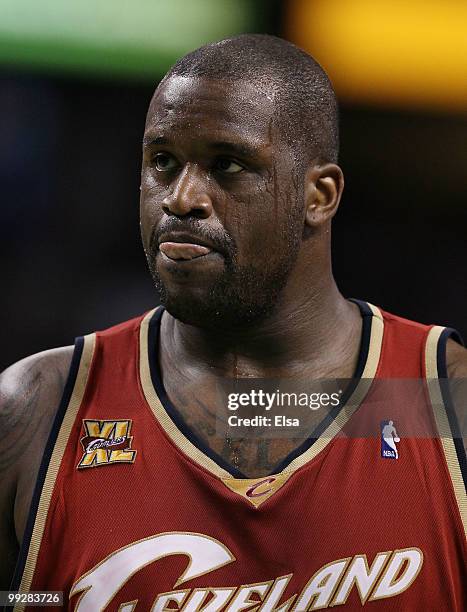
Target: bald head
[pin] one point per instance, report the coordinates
(239, 153)
(305, 104)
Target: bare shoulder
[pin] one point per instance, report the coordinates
(30, 392)
(456, 362)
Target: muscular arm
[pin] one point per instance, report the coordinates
(30, 392)
(456, 357)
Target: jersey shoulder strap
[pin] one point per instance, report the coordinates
(94, 360)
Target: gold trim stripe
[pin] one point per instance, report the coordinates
(160, 413)
(444, 429)
(54, 465)
(178, 438)
(357, 397)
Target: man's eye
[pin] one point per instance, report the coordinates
(228, 166)
(164, 162)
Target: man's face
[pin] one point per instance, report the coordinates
(221, 204)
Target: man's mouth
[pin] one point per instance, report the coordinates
(183, 250)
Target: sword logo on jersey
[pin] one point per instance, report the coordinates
(389, 440)
(106, 442)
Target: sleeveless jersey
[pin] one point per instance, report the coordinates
(131, 512)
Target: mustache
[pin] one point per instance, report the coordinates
(221, 240)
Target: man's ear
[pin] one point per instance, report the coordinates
(324, 185)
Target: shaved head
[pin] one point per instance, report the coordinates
(239, 156)
(305, 104)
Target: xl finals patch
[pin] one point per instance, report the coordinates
(106, 442)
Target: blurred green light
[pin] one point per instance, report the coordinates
(139, 38)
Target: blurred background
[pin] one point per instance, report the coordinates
(75, 81)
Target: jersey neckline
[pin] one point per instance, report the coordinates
(189, 443)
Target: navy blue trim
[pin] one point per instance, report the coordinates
(447, 399)
(68, 390)
(367, 315)
(153, 345)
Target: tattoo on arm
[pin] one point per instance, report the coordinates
(19, 421)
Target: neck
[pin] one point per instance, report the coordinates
(315, 329)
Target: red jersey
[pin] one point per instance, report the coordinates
(131, 512)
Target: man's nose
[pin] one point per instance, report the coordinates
(189, 196)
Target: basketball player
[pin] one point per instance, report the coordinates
(124, 498)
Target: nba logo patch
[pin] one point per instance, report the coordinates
(389, 440)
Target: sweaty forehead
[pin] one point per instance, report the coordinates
(193, 102)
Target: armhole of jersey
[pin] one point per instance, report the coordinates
(64, 418)
(445, 416)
